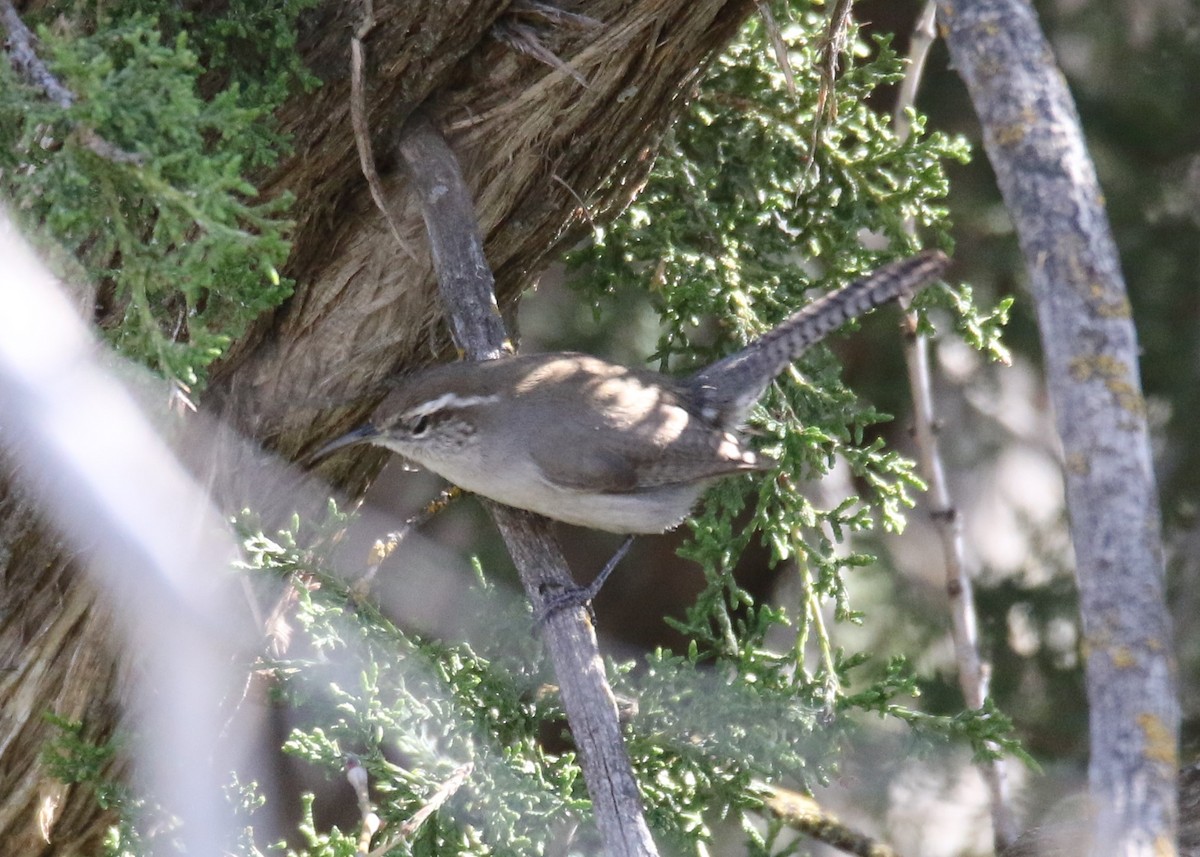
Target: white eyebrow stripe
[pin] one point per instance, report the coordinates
(449, 400)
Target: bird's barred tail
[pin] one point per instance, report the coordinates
(729, 387)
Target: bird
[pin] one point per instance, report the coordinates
(594, 443)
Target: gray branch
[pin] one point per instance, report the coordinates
(25, 60)
(466, 285)
(32, 70)
(1033, 138)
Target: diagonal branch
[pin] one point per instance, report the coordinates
(25, 60)
(466, 284)
(32, 70)
(800, 812)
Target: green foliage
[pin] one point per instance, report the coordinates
(415, 712)
(167, 227)
(741, 218)
(73, 759)
(743, 215)
(76, 760)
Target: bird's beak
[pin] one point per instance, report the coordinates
(363, 434)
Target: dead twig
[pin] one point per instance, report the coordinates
(385, 547)
(362, 128)
(524, 39)
(833, 45)
(801, 813)
(973, 673)
(778, 45)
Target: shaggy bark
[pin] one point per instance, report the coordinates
(533, 142)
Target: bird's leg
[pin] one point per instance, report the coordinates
(582, 596)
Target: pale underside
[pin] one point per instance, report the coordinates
(581, 440)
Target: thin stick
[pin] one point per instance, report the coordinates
(25, 60)
(973, 674)
(386, 546)
(444, 792)
(778, 45)
(362, 129)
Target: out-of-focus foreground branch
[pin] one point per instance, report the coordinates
(150, 537)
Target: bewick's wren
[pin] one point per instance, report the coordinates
(581, 440)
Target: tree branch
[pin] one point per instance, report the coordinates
(973, 673)
(1035, 144)
(29, 66)
(466, 285)
(362, 128)
(800, 812)
(25, 60)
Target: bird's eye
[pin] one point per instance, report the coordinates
(420, 425)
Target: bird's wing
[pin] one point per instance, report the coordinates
(617, 466)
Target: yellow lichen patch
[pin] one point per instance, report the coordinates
(1099, 366)
(1127, 396)
(1078, 464)
(1122, 657)
(1114, 309)
(1106, 308)
(1160, 741)
(1010, 135)
(1115, 376)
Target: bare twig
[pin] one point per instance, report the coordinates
(356, 775)
(519, 30)
(833, 45)
(548, 13)
(385, 547)
(362, 128)
(25, 60)
(1034, 141)
(777, 45)
(802, 813)
(972, 672)
(582, 205)
(923, 36)
(444, 792)
(467, 294)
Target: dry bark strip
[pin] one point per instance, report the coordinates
(1033, 138)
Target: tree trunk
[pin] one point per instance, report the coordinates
(537, 147)
(1035, 144)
